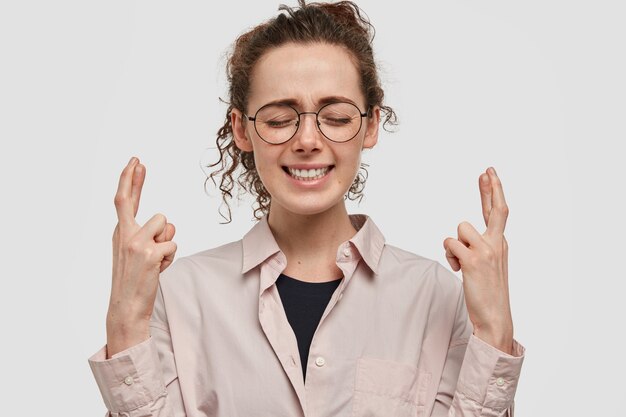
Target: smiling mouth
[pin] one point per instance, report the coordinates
(308, 174)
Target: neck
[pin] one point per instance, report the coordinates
(311, 238)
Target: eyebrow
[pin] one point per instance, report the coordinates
(321, 101)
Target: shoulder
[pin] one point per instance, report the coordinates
(227, 253)
(425, 271)
(221, 260)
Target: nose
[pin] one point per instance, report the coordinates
(308, 138)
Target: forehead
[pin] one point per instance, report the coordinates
(305, 73)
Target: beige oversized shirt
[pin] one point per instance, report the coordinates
(394, 341)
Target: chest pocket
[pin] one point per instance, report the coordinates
(386, 388)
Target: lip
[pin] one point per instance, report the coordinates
(308, 166)
(309, 183)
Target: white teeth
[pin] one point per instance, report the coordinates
(308, 174)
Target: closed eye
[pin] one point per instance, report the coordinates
(278, 123)
(337, 121)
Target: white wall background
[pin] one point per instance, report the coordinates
(534, 88)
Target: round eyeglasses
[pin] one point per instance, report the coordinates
(277, 123)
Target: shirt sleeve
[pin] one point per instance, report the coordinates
(478, 379)
(141, 381)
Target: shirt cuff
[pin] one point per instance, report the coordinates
(130, 379)
(489, 376)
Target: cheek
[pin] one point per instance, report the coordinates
(265, 165)
(260, 167)
(354, 157)
(349, 165)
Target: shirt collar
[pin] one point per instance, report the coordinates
(368, 240)
(259, 243)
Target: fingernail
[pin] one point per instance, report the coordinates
(484, 179)
(493, 171)
(132, 160)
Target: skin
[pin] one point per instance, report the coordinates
(308, 224)
(483, 260)
(140, 254)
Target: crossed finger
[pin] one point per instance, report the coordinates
(129, 191)
(495, 209)
(139, 175)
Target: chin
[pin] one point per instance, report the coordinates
(305, 207)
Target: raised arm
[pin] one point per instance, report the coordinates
(135, 370)
(484, 360)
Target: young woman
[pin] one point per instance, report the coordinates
(311, 313)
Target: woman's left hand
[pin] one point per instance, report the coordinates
(483, 261)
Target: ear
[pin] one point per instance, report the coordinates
(240, 136)
(371, 125)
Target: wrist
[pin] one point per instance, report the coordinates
(122, 335)
(501, 339)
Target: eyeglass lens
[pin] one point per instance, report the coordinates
(277, 123)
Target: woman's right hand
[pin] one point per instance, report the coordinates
(140, 254)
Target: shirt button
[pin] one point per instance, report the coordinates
(340, 296)
(500, 381)
(346, 252)
(128, 380)
(320, 361)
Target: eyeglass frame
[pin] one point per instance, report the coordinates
(317, 121)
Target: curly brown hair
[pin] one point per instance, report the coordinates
(341, 23)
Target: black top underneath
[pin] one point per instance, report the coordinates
(304, 304)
